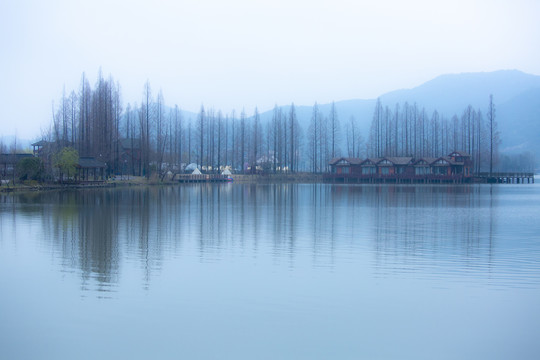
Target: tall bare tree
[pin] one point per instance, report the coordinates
(334, 130)
(493, 133)
(201, 126)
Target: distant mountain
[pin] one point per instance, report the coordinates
(451, 94)
(519, 123)
(361, 110)
(516, 96)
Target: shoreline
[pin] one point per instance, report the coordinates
(141, 181)
(297, 178)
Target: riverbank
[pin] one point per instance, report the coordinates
(306, 178)
(154, 181)
(300, 178)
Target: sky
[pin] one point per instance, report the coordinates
(239, 54)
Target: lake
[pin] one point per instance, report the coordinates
(279, 271)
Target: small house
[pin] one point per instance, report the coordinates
(345, 166)
(369, 167)
(89, 168)
(461, 163)
(422, 166)
(441, 167)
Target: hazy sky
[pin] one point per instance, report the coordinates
(234, 54)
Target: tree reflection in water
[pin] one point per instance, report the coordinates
(96, 232)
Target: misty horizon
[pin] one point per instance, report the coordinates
(242, 54)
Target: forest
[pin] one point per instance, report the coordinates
(150, 137)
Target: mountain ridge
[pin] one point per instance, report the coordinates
(516, 95)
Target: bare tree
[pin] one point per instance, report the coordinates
(201, 125)
(243, 139)
(314, 138)
(292, 128)
(145, 134)
(161, 129)
(256, 138)
(219, 139)
(334, 130)
(493, 133)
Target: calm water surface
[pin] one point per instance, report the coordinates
(272, 272)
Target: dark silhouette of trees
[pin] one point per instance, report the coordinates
(200, 129)
(314, 138)
(408, 131)
(294, 140)
(93, 121)
(493, 133)
(334, 130)
(355, 140)
(30, 168)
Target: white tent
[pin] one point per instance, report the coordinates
(226, 172)
(191, 167)
(196, 172)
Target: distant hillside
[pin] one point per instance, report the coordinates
(519, 122)
(450, 94)
(362, 110)
(516, 96)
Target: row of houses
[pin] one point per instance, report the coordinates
(456, 167)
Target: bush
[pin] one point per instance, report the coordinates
(30, 168)
(66, 161)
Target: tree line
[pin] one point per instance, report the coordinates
(95, 123)
(407, 130)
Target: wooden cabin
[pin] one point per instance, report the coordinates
(422, 166)
(456, 167)
(368, 167)
(395, 166)
(461, 163)
(345, 166)
(90, 169)
(441, 167)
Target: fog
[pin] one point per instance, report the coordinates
(241, 54)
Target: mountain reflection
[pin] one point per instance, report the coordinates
(100, 233)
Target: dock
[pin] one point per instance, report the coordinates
(480, 178)
(506, 177)
(396, 179)
(203, 178)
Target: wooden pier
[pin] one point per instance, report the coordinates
(203, 178)
(485, 178)
(396, 179)
(506, 178)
